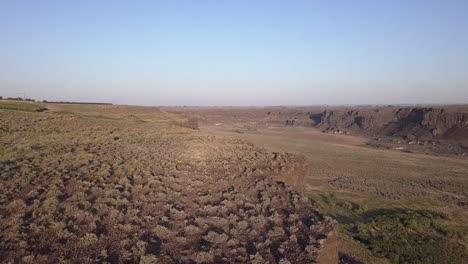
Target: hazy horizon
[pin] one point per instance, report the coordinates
(242, 53)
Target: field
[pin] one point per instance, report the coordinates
(21, 106)
(124, 184)
(374, 193)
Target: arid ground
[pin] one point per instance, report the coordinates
(392, 205)
(126, 184)
(122, 184)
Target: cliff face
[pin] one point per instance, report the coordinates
(444, 123)
(409, 123)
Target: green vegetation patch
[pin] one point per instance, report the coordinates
(344, 210)
(21, 106)
(62, 112)
(66, 102)
(103, 117)
(407, 237)
(399, 235)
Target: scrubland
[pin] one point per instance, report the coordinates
(121, 184)
(114, 184)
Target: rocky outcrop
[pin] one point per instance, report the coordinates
(409, 123)
(445, 126)
(413, 123)
(440, 123)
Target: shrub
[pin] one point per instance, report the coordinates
(409, 237)
(192, 123)
(15, 98)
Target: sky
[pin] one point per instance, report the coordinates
(235, 52)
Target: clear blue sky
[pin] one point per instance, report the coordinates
(236, 52)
